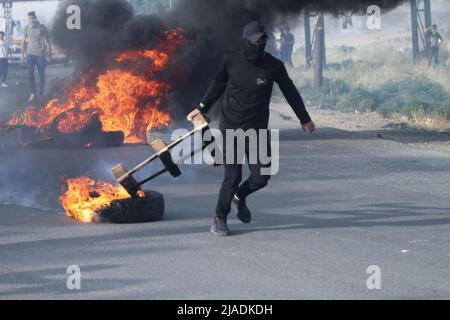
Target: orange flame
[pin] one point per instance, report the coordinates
(127, 97)
(83, 197)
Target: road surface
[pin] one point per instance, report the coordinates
(343, 201)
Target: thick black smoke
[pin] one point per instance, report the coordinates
(102, 22)
(214, 27)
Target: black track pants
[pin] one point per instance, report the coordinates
(233, 174)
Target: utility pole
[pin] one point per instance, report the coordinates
(319, 51)
(322, 39)
(420, 20)
(308, 46)
(315, 53)
(7, 14)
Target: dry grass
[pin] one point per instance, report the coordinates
(380, 64)
(420, 119)
(375, 65)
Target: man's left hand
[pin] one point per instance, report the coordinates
(309, 127)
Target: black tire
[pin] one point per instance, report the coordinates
(30, 138)
(135, 210)
(79, 138)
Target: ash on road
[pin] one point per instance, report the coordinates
(343, 201)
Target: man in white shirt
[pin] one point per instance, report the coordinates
(36, 45)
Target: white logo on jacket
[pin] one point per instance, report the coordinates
(261, 82)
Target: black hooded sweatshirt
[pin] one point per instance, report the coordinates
(248, 89)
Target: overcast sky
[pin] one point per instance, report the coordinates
(45, 10)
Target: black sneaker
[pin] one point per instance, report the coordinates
(243, 213)
(220, 227)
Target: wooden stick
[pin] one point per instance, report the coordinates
(203, 123)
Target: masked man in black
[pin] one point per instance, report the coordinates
(247, 78)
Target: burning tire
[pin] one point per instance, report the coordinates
(91, 134)
(78, 138)
(135, 210)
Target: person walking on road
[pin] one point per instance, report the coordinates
(36, 47)
(246, 78)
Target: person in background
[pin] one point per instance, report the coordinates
(3, 60)
(347, 21)
(287, 46)
(36, 46)
(435, 41)
(271, 47)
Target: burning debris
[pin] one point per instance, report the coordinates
(128, 98)
(89, 201)
(91, 135)
(83, 198)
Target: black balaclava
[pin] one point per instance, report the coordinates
(254, 41)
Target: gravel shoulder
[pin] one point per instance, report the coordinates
(370, 124)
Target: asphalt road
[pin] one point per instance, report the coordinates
(342, 202)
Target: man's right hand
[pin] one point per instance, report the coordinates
(193, 114)
(22, 59)
(309, 127)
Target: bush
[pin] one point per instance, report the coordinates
(359, 99)
(346, 49)
(328, 96)
(334, 66)
(408, 95)
(347, 63)
(387, 94)
(422, 91)
(362, 65)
